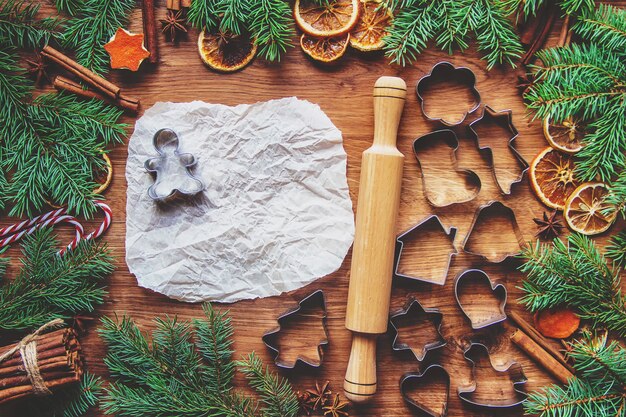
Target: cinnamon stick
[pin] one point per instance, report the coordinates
(541, 34)
(185, 3)
(62, 83)
(539, 339)
(14, 393)
(81, 72)
(546, 360)
(565, 34)
(150, 30)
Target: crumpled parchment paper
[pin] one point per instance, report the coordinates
(275, 213)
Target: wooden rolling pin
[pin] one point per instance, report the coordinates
(374, 241)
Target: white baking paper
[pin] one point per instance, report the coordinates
(275, 214)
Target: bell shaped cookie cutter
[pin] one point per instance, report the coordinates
(503, 118)
(482, 212)
(446, 71)
(172, 169)
(421, 409)
(449, 138)
(414, 310)
(483, 318)
(513, 369)
(315, 299)
(430, 221)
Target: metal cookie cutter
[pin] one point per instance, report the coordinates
(413, 310)
(172, 169)
(315, 299)
(446, 71)
(477, 352)
(476, 310)
(415, 230)
(485, 212)
(432, 372)
(504, 119)
(449, 138)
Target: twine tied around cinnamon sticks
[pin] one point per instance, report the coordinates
(28, 351)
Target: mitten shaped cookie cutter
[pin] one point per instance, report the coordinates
(414, 310)
(172, 169)
(513, 369)
(446, 71)
(422, 409)
(478, 317)
(504, 119)
(448, 138)
(484, 212)
(415, 230)
(315, 299)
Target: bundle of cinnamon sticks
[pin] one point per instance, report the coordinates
(58, 362)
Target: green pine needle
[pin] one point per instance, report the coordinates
(605, 25)
(616, 250)
(93, 24)
(576, 274)
(73, 401)
(20, 27)
(50, 286)
(194, 375)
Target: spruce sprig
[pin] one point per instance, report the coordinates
(576, 274)
(73, 401)
(451, 24)
(268, 21)
(51, 286)
(599, 389)
(528, 8)
(93, 24)
(604, 25)
(616, 250)
(20, 27)
(194, 376)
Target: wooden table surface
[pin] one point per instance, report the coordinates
(344, 92)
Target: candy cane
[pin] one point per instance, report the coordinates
(14, 228)
(108, 215)
(49, 221)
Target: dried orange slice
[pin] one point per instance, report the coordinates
(566, 136)
(104, 180)
(586, 210)
(226, 52)
(335, 18)
(552, 177)
(372, 26)
(324, 49)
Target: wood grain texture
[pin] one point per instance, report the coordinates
(344, 92)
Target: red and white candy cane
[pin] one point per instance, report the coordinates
(15, 232)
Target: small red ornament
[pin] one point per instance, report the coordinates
(127, 51)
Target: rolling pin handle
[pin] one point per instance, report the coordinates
(360, 382)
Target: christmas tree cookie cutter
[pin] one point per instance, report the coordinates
(421, 408)
(270, 337)
(401, 240)
(172, 169)
(503, 119)
(439, 196)
(445, 71)
(489, 211)
(415, 313)
(477, 354)
(474, 306)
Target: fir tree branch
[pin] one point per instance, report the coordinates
(577, 275)
(616, 250)
(74, 401)
(204, 15)
(275, 392)
(605, 25)
(50, 286)
(598, 360)
(411, 31)
(94, 23)
(270, 24)
(20, 27)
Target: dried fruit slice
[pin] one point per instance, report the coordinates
(371, 28)
(552, 177)
(566, 136)
(586, 210)
(335, 18)
(106, 175)
(324, 49)
(226, 52)
(557, 323)
(126, 50)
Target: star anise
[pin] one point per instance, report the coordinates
(549, 227)
(173, 24)
(37, 69)
(304, 399)
(337, 408)
(319, 396)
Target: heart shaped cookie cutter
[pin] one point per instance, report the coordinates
(422, 409)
